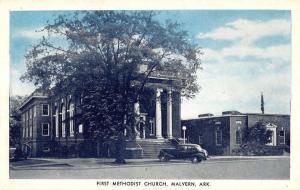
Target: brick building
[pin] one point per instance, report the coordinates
(50, 126)
(221, 135)
(36, 120)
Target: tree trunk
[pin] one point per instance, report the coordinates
(120, 149)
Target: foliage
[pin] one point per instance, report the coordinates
(254, 140)
(107, 57)
(14, 119)
(257, 134)
(258, 150)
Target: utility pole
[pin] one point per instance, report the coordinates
(262, 104)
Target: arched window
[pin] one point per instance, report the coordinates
(63, 122)
(56, 122)
(71, 111)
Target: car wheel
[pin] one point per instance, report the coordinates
(164, 158)
(195, 159)
(161, 158)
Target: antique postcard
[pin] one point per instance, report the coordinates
(187, 95)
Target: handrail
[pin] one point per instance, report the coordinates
(177, 141)
(174, 139)
(141, 148)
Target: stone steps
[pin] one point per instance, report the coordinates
(151, 148)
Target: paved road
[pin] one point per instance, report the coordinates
(255, 168)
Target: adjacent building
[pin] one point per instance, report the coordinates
(222, 135)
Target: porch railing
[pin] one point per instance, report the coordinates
(141, 149)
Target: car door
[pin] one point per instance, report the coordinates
(181, 152)
(190, 152)
(186, 152)
(193, 151)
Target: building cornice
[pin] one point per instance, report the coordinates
(31, 97)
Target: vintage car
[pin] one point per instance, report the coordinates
(192, 152)
(16, 154)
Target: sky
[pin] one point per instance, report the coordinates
(246, 53)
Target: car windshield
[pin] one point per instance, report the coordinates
(182, 147)
(198, 147)
(185, 147)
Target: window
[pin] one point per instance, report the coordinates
(30, 113)
(63, 128)
(281, 137)
(34, 111)
(71, 109)
(218, 137)
(238, 137)
(63, 113)
(29, 131)
(71, 128)
(45, 129)
(200, 139)
(281, 133)
(63, 118)
(45, 110)
(46, 149)
(56, 122)
(80, 128)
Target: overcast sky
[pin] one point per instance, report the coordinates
(245, 53)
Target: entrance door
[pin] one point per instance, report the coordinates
(272, 128)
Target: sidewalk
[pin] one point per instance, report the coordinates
(96, 163)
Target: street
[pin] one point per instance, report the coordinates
(213, 168)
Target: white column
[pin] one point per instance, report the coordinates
(158, 126)
(137, 120)
(144, 131)
(169, 114)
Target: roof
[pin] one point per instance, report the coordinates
(269, 114)
(236, 115)
(35, 94)
(215, 116)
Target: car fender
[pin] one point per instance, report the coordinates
(169, 155)
(199, 155)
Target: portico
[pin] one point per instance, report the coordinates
(159, 125)
(158, 114)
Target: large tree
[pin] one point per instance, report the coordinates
(108, 56)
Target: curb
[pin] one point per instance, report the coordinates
(108, 163)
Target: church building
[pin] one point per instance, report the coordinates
(50, 126)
